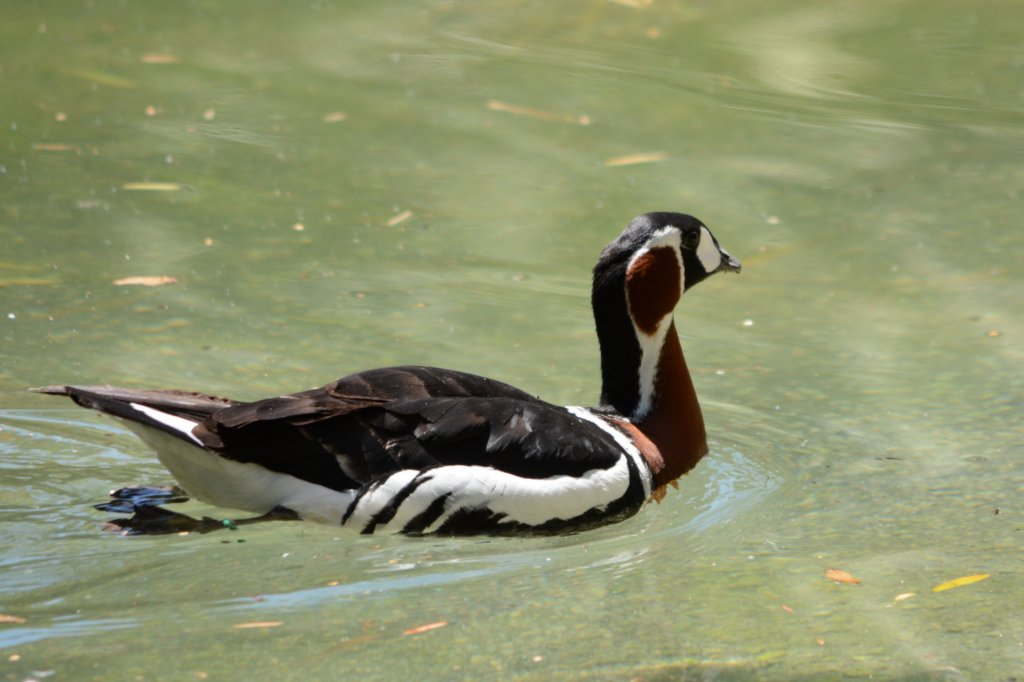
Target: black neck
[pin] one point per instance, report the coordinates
(620, 350)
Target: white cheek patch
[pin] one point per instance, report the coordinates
(708, 253)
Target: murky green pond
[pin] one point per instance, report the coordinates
(338, 186)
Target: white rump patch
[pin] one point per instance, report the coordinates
(179, 424)
(223, 482)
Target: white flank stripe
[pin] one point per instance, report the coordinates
(530, 501)
(374, 500)
(179, 424)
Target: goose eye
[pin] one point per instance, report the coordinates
(691, 238)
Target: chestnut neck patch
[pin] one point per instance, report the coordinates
(653, 287)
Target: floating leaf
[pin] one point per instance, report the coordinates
(901, 597)
(160, 58)
(840, 576)
(145, 281)
(103, 78)
(399, 218)
(21, 267)
(258, 624)
(56, 147)
(153, 186)
(497, 105)
(633, 159)
(26, 281)
(958, 582)
(419, 629)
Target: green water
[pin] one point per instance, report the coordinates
(862, 379)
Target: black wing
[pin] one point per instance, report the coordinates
(372, 423)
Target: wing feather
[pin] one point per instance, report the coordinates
(371, 424)
(374, 423)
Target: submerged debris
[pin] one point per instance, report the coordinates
(838, 575)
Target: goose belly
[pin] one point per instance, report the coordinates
(223, 482)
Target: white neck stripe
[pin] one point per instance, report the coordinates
(650, 344)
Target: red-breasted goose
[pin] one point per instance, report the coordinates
(424, 450)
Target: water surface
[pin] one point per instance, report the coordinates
(338, 186)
